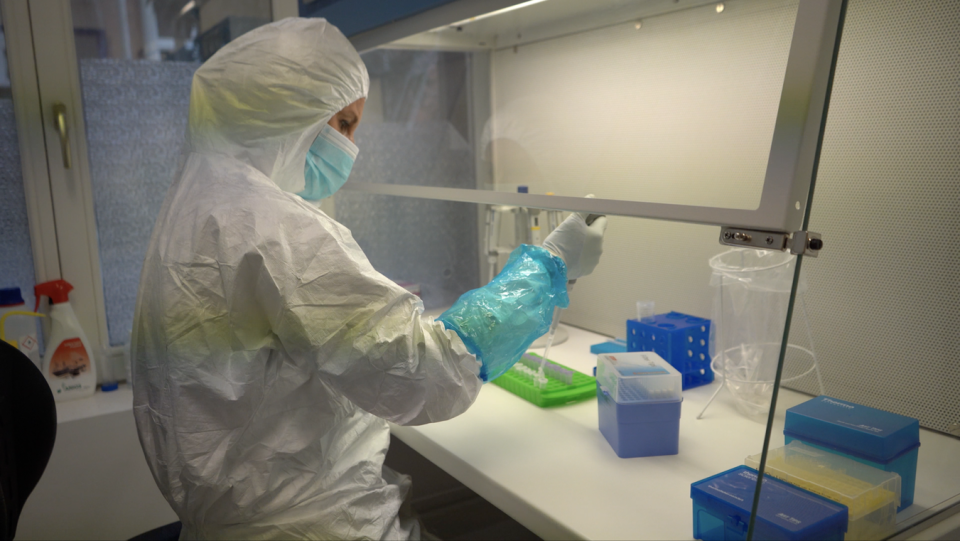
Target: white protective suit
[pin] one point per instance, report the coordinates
(268, 353)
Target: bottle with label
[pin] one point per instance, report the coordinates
(68, 362)
(19, 328)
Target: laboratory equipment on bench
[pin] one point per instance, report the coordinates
(722, 504)
(680, 339)
(646, 310)
(878, 438)
(751, 299)
(563, 385)
(18, 325)
(530, 226)
(638, 403)
(68, 362)
(870, 494)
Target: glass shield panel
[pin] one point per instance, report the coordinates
(137, 61)
(443, 249)
(883, 327)
(429, 247)
(654, 102)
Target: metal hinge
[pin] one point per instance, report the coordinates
(800, 243)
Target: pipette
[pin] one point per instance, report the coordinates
(541, 380)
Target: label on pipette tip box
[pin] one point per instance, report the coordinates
(636, 365)
(640, 370)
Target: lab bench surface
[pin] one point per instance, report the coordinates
(553, 472)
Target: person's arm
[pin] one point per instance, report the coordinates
(365, 334)
(368, 338)
(500, 320)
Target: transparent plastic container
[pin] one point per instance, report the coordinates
(640, 376)
(751, 299)
(870, 494)
(645, 310)
(877, 438)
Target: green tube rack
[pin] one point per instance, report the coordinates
(564, 385)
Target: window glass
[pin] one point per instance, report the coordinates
(16, 254)
(137, 61)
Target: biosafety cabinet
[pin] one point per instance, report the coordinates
(826, 130)
(763, 165)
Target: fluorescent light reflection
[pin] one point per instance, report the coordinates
(492, 14)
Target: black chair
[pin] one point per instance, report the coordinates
(168, 532)
(28, 428)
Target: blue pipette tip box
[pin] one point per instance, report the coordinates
(881, 439)
(722, 505)
(638, 404)
(682, 340)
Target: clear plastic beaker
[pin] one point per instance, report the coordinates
(751, 299)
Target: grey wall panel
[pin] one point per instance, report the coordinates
(885, 293)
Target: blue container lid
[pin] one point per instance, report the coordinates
(10, 296)
(610, 346)
(795, 512)
(861, 431)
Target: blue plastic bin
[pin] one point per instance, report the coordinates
(875, 437)
(635, 430)
(722, 505)
(682, 340)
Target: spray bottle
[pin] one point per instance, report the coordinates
(18, 326)
(68, 362)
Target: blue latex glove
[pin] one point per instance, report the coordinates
(500, 320)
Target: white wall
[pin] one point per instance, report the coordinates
(96, 485)
(679, 111)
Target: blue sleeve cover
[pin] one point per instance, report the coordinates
(500, 320)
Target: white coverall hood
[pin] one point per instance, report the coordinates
(268, 353)
(263, 99)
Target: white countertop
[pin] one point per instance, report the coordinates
(553, 472)
(100, 403)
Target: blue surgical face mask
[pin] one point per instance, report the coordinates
(329, 162)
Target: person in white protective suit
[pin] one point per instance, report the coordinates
(268, 353)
